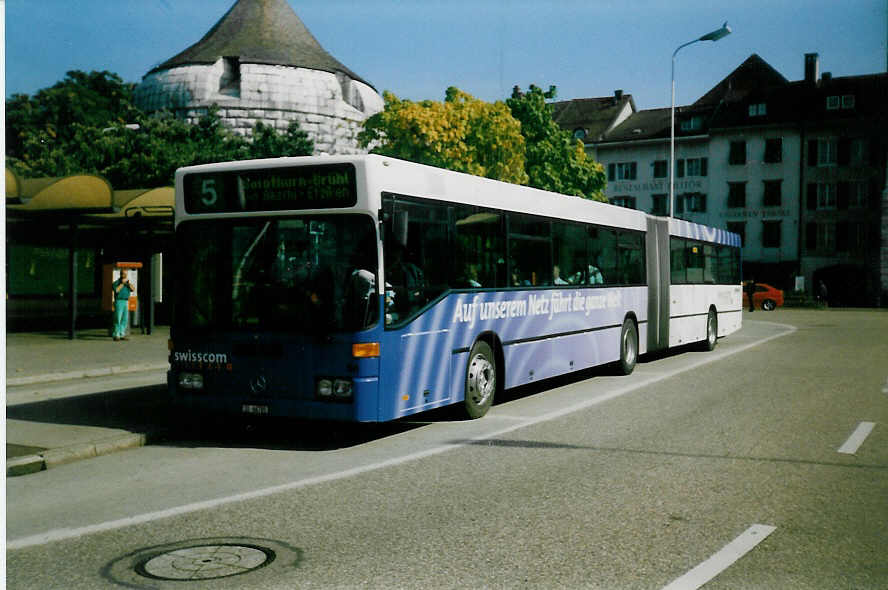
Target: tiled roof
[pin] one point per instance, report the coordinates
(594, 115)
(647, 124)
(752, 74)
(260, 31)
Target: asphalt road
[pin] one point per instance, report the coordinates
(596, 482)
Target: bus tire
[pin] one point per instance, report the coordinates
(628, 347)
(711, 331)
(480, 380)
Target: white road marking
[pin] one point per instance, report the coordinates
(723, 559)
(70, 533)
(857, 437)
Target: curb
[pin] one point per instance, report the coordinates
(61, 456)
(102, 372)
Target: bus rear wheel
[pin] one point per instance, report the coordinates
(628, 347)
(480, 380)
(711, 331)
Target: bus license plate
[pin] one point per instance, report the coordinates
(258, 410)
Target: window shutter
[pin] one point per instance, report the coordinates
(680, 165)
(842, 195)
(812, 196)
(811, 236)
(611, 171)
(844, 152)
(704, 166)
(703, 201)
(812, 152)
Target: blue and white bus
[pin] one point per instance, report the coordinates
(366, 288)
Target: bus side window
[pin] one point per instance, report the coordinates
(631, 258)
(478, 252)
(678, 261)
(602, 246)
(695, 262)
(569, 253)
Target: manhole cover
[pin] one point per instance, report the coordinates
(205, 562)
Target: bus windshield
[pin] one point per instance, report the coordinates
(296, 274)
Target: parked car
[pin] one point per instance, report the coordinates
(766, 297)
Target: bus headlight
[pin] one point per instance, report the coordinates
(325, 388)
(191, 381)
(342, 388)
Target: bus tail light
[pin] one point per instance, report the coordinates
(365, 349)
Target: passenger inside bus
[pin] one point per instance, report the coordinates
(407, 283)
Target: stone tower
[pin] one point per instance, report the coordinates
(260, 63)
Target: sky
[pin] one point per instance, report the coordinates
(417, 48)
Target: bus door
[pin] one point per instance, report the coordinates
(658, 279)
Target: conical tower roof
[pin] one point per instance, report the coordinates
(260, 31)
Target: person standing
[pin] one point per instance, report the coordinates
(750, 291)
(121, 289)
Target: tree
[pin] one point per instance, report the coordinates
(554, 160)
(268, 143)
(462, 134)
(88, 124)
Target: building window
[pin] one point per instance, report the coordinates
(772, 196)
(858, 197)
(695, 202)
(758, 109)
(826, 195)
(848, 101)
(773, 150)
(694, 123)
(736, 194)
(770, 234)
(737, 155)
(827, 152)
(624, 201)
(658, 204)
(832, 103)
(230, 80)
(622, 171)
(661, 168)
(739, 228)
(697, 166)
(859, 155)
(826, 237)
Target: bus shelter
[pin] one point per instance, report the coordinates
(60, 234)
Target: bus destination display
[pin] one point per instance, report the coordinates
(271, 189)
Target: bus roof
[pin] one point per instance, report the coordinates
(386, 174)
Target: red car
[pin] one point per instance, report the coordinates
(765, 297)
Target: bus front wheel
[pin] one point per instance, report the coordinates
(480, 380)
(628, 347)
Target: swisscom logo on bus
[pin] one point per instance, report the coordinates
(203, 360)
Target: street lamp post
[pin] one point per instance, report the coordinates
(715, 35)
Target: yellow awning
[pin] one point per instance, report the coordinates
(13, 184)
(81, 192)
(142, 202)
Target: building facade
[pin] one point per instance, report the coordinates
(798, 169)
(260, 63)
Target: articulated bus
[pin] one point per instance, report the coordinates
(366, 288)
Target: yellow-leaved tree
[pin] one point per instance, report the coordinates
(461, 133)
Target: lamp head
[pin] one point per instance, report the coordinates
(717, 34)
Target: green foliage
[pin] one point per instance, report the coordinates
(555, 161)
(462, 133)
(88, 124)
(268, 143)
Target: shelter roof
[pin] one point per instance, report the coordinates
(78, 193)
(260, 31)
